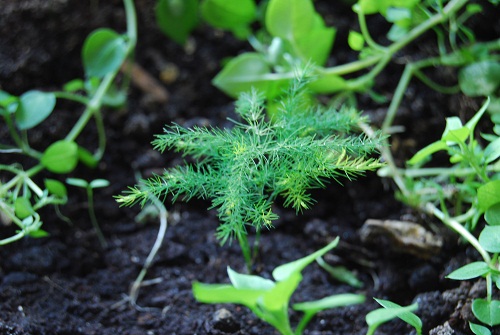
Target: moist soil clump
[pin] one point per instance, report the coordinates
(68, 284)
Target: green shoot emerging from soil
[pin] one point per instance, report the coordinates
(269, 299)
(244, 169)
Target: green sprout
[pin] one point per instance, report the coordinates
(244, 169)
(89, 188)
(391, 311)
(268, 299)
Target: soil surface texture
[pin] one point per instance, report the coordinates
(67, 284)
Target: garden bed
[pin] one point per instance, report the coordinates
(68, 284)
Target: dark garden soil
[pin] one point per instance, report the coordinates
(67, 284)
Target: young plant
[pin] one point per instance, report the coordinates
(391, 311)
(20, 197)
(89, 188)
(459, 195)
(244, 169)
(178, 18)
(268, 299)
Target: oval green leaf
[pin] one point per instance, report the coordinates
(77, 182)
(86, 157)
(232, 15)
(355, 40)
(177, 18)
(492, 151)
(469, 271)
(478, 329)
(56, 188)
(290, 19)
(247, 71)
(103, 52)
(249, 282)
(61, 157)
(487, 311)
(492, 215)
(34, 107)
(99, 183)
(23, 208)
(480, 79)
(488, 195)
(490, 239)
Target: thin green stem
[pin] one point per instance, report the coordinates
(101, 135)
(20, 175)
(72, 97)
(435, 86)
(456, 226)
(93, 218)
(304, 322)
(134, 290)
(366, 34)
(431, 172)
(389, 51)
(22, 144)
(13, 238)
(95, 103)
(452, 7)
(245, 249)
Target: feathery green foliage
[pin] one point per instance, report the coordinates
(244, 169)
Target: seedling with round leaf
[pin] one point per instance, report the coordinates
(89, 188)
(20, 197)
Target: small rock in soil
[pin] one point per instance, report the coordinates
(443, 330)
(222, 322)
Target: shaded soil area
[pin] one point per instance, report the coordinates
(68, 284)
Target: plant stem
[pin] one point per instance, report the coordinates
(20, 175)
(93, 218)
(136, 286)
(303, 322)
(245, 249)
(456, 226)
(72, 97)
(95, 103)
(388, 52)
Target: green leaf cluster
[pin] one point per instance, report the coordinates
(268, 299)
(178, 18)
(245, 168)
(103, 53)
(464, 191)
(458, 185)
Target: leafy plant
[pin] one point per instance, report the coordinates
(20, 197)
(390, 311)
(268, 299)
(294, 33)
(459, 195)
(178, 18)
(244, 169)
